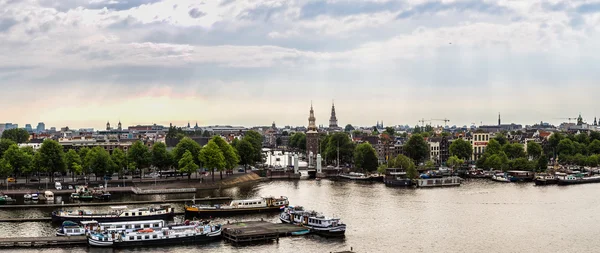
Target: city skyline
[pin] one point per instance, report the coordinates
(80, 63)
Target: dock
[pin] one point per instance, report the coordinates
(144, 202)
(255, 231)
(42, 241)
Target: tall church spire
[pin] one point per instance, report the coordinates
(333, 118)
(499, 119)
(311, 119)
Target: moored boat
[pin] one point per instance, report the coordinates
(439, 182)
(315, 222)
(578, 179)
(27, 196)
(256, 205)
(35, 196)
(355, 176)
(545, 179)
(183, 234)
(5, 199)
(118, 213)
(501, 177)
(69, 228)
(396, 177)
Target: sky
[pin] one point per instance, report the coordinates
(81, 63)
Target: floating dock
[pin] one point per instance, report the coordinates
(43, 241)
(255, 231)
(143, 202)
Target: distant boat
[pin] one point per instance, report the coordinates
(545, 179)
(118, 213)
(243, 206)
(578, 179)
(316, 222)
(501, 177)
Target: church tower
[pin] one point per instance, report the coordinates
(312, 136)
(119, 127)
(499, 119)
(107, 126)
(579, 120)
(333, 119)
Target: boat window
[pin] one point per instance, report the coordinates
(156, 225)
(131, 238)
(139, 237)
(126, 214)
(132, 214)
(154, 236)
(146, 225)
(147, 237)
(140, 213)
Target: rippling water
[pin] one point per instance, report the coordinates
(475, 217)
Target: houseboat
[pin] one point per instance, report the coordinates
(501, 177)
(439, 182)
(520, 176)
(355, 176)
(314, 221)
(49, 196)
(256, 205)
(545, 179)
(396, 177)
(578, 178)
(118, 213)
(69, 228)
(124, 226)
(181, 234)
(101, 195)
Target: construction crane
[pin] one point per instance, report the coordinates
(444, 119)
(575, 118)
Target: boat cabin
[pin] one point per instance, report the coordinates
(49, 195)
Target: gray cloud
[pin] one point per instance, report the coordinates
(433, 7)
(588, 8)
(195, 13)
(226, 2)
(7, 23)
(346, 8)
(262, 12)
(65, 5)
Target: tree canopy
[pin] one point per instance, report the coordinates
(298, 141)
(246, 152)
(534, 149)
(365, 157)
(160, 157)
(454, 161)
(461, 149)
(212, 158)
(52, 157)
(346, 148)
(229, 154)
(4, 145)
(17, 135)
(416, 148)
(187, 144)
(186, 164)
(401, 161)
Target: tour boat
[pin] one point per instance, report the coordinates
(315, 222)
(439, 182)
(69, 228)
(501, 177)
(545, 179)
(118, 213)
(180, 234)
(578, 179)
(256, 205)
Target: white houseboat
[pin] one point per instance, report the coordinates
(118, 213)
(317, 223)
(439, 182)
(256, 205)
(183, 234)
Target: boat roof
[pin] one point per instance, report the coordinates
(88, 222)
(132, 222)
(118, 207)
(48, 192)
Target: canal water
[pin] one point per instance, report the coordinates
(479, 216)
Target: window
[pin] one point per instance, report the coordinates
(131, 238)
(154, 236)
(140, 213)
(147, 237)
(139, 237)
(126, 214)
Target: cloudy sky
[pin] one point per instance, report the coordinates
(248, 62)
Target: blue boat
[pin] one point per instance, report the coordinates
(301, 232)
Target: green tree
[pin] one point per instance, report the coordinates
(401, 161)
(429, 165)
(381, 168)
(212, 158)
(246, 152)
(6, 169)
(416, 130)
(566, 147)
(187, 144)
(445, 134)
(365, 157)
(72, 160)
(501, 138)
(346, 148)
(412, 173)
(231, 157)
(160, 156)
(583, 138)
(592, 160)
(534, 149)
(17, 135)
(497, 161)
(139, 155)
(256, 139)
(594, 147)
(454, 162)
(18, 159)
(348, 128)
(461, 149)
(186, 164)
(119, 159)
(82, 153)
(542, 163)
(52, 157)
(98, 160)
(553, 141)
(514, 150)
(4, 145)
(493, 148)
(390, 131)
(416, 148)
(522, 163)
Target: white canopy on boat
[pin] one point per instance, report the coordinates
(118, 207)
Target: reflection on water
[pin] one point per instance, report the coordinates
(475, 217)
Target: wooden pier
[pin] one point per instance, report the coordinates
(42, 241)
(255, 231)
(144, 202)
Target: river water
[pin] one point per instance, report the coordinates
(475, 217)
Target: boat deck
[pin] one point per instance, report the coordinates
(143, 202)
(42, 241)
(37, 219)
(252, 231)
